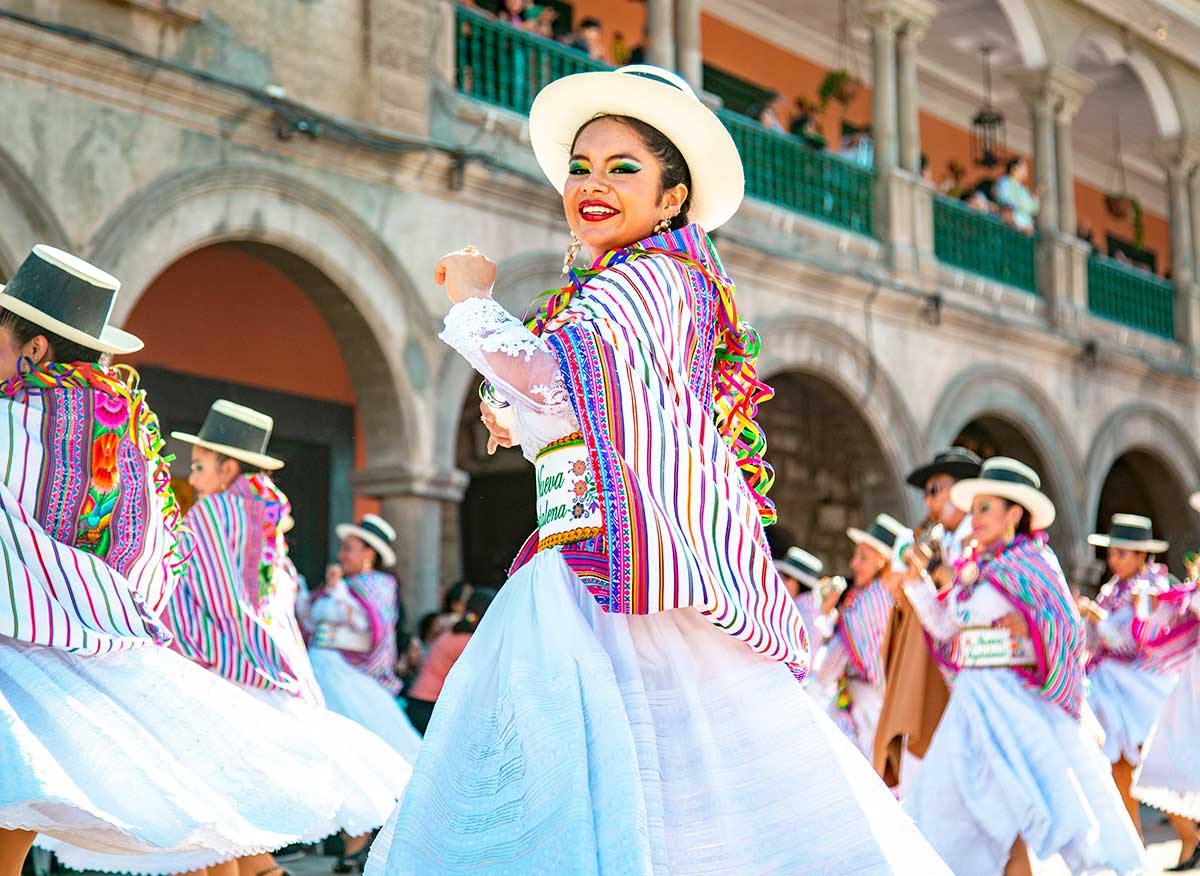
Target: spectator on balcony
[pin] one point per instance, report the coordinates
(540, 20)
(589, 39)
(766, 112)
(951, 185)
(805, 124)
(1012, 190)
(513, 12)
(857, 144)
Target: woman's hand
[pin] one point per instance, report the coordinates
(333, 574)
(1015, 624)
(831, 598)
(499, 436)
(467, 273)
(1090, 610)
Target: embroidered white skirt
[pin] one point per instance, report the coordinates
(1006, 763)
(142, 751)
(357, 696)
(579, 743)
(1169, 777)
(1126, 702)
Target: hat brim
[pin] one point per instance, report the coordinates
(565, 105)
(1041, 510)
(957, 470)
(1194, 501)
(1151, 546)
(804, 577)
(387, 556)
(858, 536)
(112, 340)
(259, 460)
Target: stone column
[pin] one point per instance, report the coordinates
(909, 96)
(1071, 89)
(1178, 156)
(687, 46)
(413, 501)
(660, 30)
(882, 20)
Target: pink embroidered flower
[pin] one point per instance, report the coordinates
(112, 412)
(581, 488)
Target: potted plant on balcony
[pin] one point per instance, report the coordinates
(839, 86)
(1119, 204)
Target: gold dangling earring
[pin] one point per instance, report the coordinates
(572, 251)
(1010, 533)
(663, 226)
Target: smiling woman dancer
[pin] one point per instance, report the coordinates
(631, 704)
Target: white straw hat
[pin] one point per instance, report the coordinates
(801, 565)
(376, 533)
(885, 531)
(65, 295)
(1131, 532)
(236, 431)
(659, 98)
(1008, 479)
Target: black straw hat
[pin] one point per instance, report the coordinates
(237, 431)
(958, 462)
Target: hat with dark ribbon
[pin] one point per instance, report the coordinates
(1008, 479)
(235, 431)
(958, 462)
(1131, 532)
(67, 296)
(375, 532)
(882, 535)
(800, 565)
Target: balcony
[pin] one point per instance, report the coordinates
(1131, 297)
(983, 244)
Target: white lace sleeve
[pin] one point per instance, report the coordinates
(521, 367)
(937, 617)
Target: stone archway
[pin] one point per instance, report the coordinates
(1007, 414)
(25, 217)
(363, 292)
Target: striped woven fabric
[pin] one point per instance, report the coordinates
(377, 593)
(1028, 574)
(861, 625)
(89, 541)
(1172, 631)
(234, 611)
(682, 527)
(1158, 653)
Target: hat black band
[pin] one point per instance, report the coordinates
(883, 534)
(1007, 476)
(219, 428)
(61, 295)
(374, 530)
(1126, 532)
(664, 80)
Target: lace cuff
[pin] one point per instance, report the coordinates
(520, 365)
(937, 617)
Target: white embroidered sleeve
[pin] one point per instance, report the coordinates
(937, 617)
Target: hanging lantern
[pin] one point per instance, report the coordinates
(987, 126)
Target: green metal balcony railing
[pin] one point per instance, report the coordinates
(1131, 297)
(506, 67)
(983, 244)
(785, 171)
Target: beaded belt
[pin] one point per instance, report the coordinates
(568, 503)
(992, 647)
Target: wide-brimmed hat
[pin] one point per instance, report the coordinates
(375, 532)
(1132, 532)
(882, 535)
(237, 431)
(1008, 479)
(958, 462)
(69, 297)
(659, 98)
(801, 565)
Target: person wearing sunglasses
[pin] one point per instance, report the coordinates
(1011, 758)
(914, 692)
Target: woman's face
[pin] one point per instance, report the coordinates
(866, 564)
(354, 556)
(11, 353)
(992, 519)
(1020, 172)
(613, 194)
(1125, 563)
(211, 474)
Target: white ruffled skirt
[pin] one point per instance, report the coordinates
(141, 751)
(579, 743)
(357, 696)
(1006, 763)
(861, 720)
(364, 779)
(1169, 777)
(1126, 702)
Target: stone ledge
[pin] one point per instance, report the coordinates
(386, 481)
(180, 13)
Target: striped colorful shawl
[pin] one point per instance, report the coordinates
(862, 622)
(89, 541)
(1160, 654)
(376, 592)
(636, 348)
(235, 609)
(1172, 631)
(1028, 574)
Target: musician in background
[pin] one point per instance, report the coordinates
(915, 693)
(801, 574)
